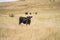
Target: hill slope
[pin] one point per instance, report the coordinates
(28, 5)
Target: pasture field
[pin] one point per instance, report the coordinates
(44, 26)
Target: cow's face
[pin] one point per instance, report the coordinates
(29, 17)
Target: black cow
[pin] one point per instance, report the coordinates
(25, 20)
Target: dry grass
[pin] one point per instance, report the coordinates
(44, 26)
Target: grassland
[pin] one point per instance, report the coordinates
(44, 26)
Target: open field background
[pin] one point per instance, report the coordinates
(44, 26)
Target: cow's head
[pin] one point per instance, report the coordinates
(29, 17)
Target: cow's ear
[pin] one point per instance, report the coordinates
(31, 16)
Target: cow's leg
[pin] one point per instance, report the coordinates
(28, 22)
(20, 21)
